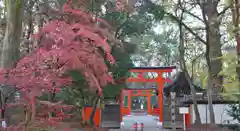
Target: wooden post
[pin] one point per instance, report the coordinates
(129, 101)
(160, 83)
(149, 102)
(188, 117)
(173, 110)
(121, 102)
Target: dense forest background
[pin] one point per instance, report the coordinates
(200, 37)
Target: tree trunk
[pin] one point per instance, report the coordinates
(210, 99)
(213, 52)
(11, 41)
(27, 43)
(184, 69)
(235, 20)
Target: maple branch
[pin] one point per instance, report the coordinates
(12, 93)
(9, 94)
(188, 28)
(50, 103)
(52, 94)
(61, 64)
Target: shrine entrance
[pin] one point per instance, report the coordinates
(139, 103)
(127, 94)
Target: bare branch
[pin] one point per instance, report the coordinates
(186, 27)
(193, 15)
(224, 10)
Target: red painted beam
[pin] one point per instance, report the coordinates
(155, 68)
(141, 80)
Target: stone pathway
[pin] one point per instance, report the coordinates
(146, 129)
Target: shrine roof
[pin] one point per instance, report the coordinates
(181, 86)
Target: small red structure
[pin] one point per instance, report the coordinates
(160, 80)
(137, 92)
(146, 92)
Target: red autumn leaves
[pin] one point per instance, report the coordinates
(72, 42)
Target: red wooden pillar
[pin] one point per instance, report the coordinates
(160, 83)
(129, 101)
(149, 102)
(121, 102)
(188, 118)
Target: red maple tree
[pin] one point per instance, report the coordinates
(74, 41)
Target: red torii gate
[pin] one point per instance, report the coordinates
(148, 92)
(160, 80)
